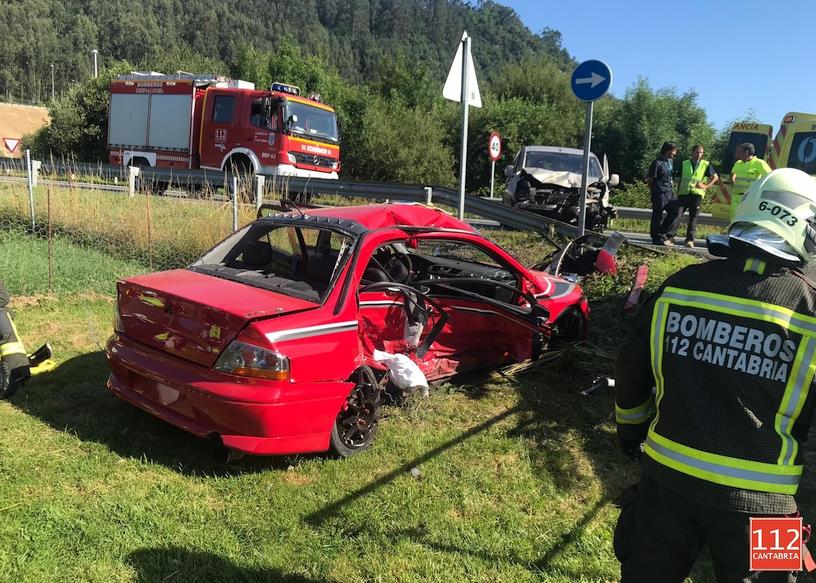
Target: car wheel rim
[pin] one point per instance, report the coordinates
(358, 419)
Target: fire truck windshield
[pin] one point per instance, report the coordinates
(312, 122)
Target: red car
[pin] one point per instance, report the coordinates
(266, 342)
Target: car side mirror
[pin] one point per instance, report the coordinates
(614, 180)
(509, 171)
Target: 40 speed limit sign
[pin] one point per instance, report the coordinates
(494, 147)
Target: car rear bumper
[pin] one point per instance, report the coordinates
(255, 416)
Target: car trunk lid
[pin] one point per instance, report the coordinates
(195, 316)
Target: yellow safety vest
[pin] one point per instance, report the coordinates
(691, 176)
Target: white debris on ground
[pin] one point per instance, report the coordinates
(404, 372)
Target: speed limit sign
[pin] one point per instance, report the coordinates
(494, 146)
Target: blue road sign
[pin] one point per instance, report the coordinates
(591, 79)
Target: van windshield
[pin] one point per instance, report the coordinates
(803, 152)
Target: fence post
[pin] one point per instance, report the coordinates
(30, 189)
(35, 171)
(50, 247)
(259, 191)
(429, 194)
(234, 195)
(133, 172)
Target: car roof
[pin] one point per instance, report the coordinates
(378, 216)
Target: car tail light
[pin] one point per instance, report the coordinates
(117, 317)
(248, 360)
(291, 158)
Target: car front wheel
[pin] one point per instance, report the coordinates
(356, 424)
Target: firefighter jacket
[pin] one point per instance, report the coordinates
(716, 375)
(12, 351)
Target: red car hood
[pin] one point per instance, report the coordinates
(195, 316)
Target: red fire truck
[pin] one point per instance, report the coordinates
(204, 121)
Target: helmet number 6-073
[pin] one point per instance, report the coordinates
(778, 211)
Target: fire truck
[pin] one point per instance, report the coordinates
(793, 147)
(205, 121)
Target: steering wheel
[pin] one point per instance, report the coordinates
(399, 267)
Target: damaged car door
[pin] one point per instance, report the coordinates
(459, 305)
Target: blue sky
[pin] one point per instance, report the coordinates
(738, 56)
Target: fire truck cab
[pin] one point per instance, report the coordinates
(188, 121)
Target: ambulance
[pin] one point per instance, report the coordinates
(793, 147)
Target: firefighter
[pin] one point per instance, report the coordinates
(745, 171)
(713, 387)
(14, 363)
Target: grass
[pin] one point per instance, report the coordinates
(516, 473)
(515, 478)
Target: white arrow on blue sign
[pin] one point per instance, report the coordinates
(591, 79)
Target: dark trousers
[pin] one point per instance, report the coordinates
(661, 226)
(659, 536)
(690, 202)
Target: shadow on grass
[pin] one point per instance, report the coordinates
(179, 564)
(73, 398)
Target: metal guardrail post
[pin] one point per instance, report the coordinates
(429, 195)
(133, 172)
(260, 181)
(234, 196)
(30, 177)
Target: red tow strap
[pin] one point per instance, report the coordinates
(807, 559)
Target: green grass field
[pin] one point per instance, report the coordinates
(516, 472)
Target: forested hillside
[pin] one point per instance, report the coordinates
(380, 63)
(352, 36)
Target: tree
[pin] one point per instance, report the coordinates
(632, 130)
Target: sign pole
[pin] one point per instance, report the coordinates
(492, 175)
(463, 156)
(587, 144)
(590, 81)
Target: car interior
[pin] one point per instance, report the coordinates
(457, 264)
(296, 260)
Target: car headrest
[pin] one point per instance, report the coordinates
(257, 253)
(375, 275)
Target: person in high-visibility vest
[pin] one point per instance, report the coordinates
(14, 362)
(746, 170)
(715, 391)
(696, 176)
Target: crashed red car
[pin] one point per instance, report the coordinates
(266, 342)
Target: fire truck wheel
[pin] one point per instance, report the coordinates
(356, 424)
(240, 166)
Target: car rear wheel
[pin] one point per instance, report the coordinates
(356, 424)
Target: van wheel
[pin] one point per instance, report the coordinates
(356, 424)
